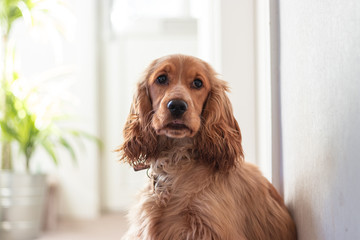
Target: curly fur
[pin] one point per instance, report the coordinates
(200, 187)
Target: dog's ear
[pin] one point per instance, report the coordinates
(140, 140)
(218, 142)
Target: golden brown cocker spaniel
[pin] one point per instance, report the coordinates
(181, 126)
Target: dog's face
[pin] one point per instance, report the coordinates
(178, 91)
(181, 97)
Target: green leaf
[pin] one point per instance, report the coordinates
(79, 134)
(24, 8)
(68, 147)
(8, 132)
(50, 149)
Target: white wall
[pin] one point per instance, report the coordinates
(320, 107)
(237, 66)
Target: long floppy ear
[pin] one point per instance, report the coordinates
(140, 140)
(218, 142)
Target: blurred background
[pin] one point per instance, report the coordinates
(71, 67)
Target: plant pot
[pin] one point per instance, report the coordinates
(22, 198)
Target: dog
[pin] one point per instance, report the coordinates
(182, 129)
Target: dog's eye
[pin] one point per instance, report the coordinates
(197, 83)
(162, 80)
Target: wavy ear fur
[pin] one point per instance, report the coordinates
(218, 142)
(140, 140)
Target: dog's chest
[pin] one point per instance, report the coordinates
(179, 201)
(175, 185)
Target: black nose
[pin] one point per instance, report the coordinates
(177, 107)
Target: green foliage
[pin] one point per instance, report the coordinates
(18, 122)
(21, 124)
(11, 10)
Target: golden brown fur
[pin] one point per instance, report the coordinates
(200, 188)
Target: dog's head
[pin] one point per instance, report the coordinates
(181, 97)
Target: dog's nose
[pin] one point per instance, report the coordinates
(177, 107)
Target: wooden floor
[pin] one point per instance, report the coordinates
(107, 227)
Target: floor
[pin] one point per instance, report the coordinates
(109, 227)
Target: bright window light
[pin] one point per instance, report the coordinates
(124, 13)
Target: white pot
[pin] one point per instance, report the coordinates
(22, 198)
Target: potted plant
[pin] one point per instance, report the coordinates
(24, 192)
(22, 127)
